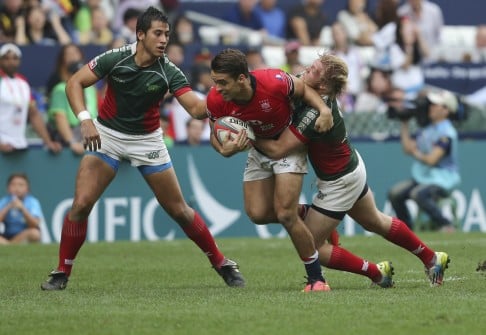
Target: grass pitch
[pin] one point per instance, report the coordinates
(170, 288)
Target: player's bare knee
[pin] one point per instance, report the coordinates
(81, 208)
(257, 216)
(183, 215)
(286, 216)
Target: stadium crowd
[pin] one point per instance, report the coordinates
(385, 46)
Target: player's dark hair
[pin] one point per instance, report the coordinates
(144, 21)
(232, 62)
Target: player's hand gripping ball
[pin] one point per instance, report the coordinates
(227, 126)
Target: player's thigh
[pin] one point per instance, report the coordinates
(258, 197)
(94, 175)
(167, 191)
(366, 214)
(288, 187)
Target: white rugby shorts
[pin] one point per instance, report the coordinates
(340, 195)
(147, 149)
(259, 166)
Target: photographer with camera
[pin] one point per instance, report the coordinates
(435, 171)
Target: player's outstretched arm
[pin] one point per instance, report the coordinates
(193, 104)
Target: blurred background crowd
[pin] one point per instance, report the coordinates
(395, 51)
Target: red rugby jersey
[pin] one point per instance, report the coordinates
(269, 111)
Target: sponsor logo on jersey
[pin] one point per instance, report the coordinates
(153, 88)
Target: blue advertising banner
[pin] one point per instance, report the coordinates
(213, 185)
(463, 78)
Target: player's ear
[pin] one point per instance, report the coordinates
(241, 78)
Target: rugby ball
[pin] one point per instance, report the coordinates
(227, 126)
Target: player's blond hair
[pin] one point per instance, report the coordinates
(335, 75)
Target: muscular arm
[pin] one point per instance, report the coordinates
(75, 85)
(74, 91)
(312, 98)
(194, 105)
(276, 149)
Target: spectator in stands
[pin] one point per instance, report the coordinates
(407, 55)
(42, 28)
(478, 54)
(20, 212)
(109, 7)
(175, 52)
(254, 58)
(170, 8)
(127, 30)
(347, 51)
(184, 32)
(379, 93)
(292, 64)
(136, 4)
(203, 56)
(245, 14)
(17, 105)
(386, 11)
(64, 125)
(65, 10)
(435, 171)
(358, 24)
(386, 17)
(68, 54)
(273, 18)
(305, 22)
(83, 16)
(11, 16)
(201, 78)
(100, 32)
(195, 129)
(428, 18)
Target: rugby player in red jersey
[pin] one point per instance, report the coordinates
(271, 187)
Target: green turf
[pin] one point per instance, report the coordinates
(169, 288)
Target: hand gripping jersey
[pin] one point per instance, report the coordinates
(269, 111)
(330, 153)
(134, 93)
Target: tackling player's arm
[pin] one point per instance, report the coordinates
(230, 146)
(277, 149)
(75, 85)
(325, 121)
